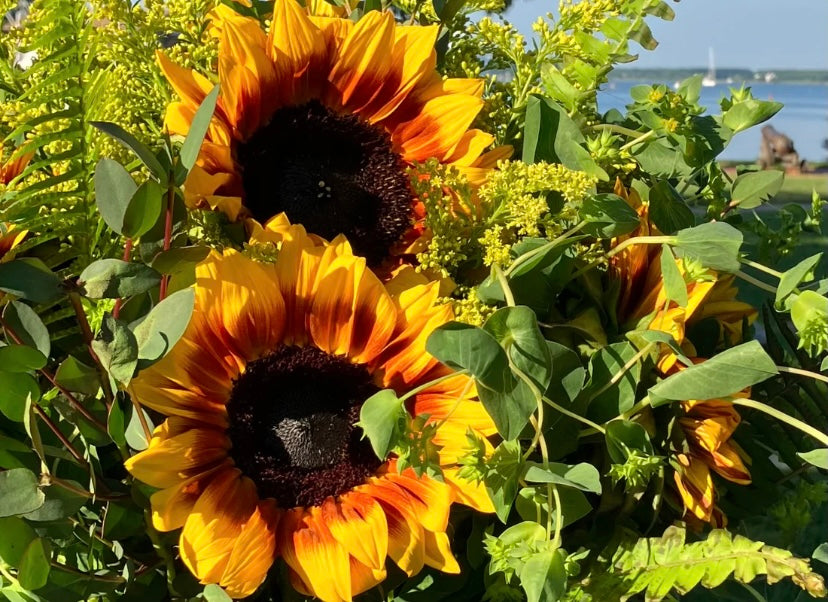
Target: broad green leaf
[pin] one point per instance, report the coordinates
(116, 423)
(117, 349)
(502, 480)
(668, 210)
(644, 36)
(134, 434)
(446, 9)
(133, 144)
(747, 113)
(516, 329)
(15, 389)
(659, 159)
(608, 216)
(640, 338)
(675, 288)
(198, 129)
(17, 535)
(792, 278)
(720, 376)
(508, 400)
(114, 188)
(179, 259)
(574, 505)
(716, 245)
(817, 457)
(527, 532)
(543, 576)
(580, 476)
(751, 189)
(29, 279)
(143, 209)
(35, 565)
(75, 376)
(619, 397)
(558, 87)
(567, 374)
(28, 326)
(214, 593)
(821, 553)
(21, 358)
(114, 278)
(550, 135)
(58, 505)
(164, 325)
(381, 418)
(19, 492)
(625, 435)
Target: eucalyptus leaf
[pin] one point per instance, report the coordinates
(143, 209)
(77, 377)
(21, 358)
(722, 375)
(817, 457)
(114, 278)
(17, 535)
(35, 565)
(214, 593)
(133, 144)
(164, 325)
(19, 492)
(27, 326)
(29, 279)
(114, 188)
(59, 504)
(117, 349)
(15, 389)
(198, 129)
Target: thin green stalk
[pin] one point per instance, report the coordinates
(431, 383)
(642, 138)
(641, 240)
(801, 372)
(783, 417)
(762, 268)
(755, 282)
(624, 369)
(504, 284)
(573, 415)
(543, 248)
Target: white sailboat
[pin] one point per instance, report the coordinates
(709, 80)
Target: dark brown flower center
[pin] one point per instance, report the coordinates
(333, 173)
(292, 416)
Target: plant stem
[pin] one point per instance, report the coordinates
(504, 284)
(755, 282)
(116, 311)
(618, 129)
(779, 415)
(168, 218)
(543, 248)
(641, 240)
(431, 383)
(575, 416)
(104, 578)
(642, 138)
(762, 268)
(633, 410)
(53, 427)
(141, 418)
(801, 372)
(83, 492)
(86, 332)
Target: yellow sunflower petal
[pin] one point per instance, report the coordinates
(438, 553)
(471, 494)
(430, 499)
(294, 40)
(171, 506)
(358, 523)
(438, 129)
(190, 86)
(253, 553)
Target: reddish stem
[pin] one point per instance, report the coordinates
(127, 255)
(168, 219)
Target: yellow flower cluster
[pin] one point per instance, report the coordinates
(469, 309)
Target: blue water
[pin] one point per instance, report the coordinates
(804, 118)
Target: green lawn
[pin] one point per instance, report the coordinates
(797, 189)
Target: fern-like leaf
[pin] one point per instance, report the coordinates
(658, 566)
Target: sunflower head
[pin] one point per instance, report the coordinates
(319, 118)
(260, 457)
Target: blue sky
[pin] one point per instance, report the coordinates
(756, 34)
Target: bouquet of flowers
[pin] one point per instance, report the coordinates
(366, 300)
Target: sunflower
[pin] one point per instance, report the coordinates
(708, 426)
(260, 458)
(15, 165)
(319, 119)
(10, 237)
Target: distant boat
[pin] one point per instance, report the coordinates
(709, 80)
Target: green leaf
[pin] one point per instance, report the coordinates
(30, 279)
(114, 278)
(625, 435)
(619, 397)
(747, 113)
(15, 389)
(644, 36)
(133, 144)
(516, 329)
(75, 376)
(116, 424)
(809, 307)
(668, 210)
(720, 376)
(502, 479)
(751, 189)
(608, 216)
(198, 129)
(163, 326)
(134, 434)
(640, 338)
(21, 358)
(581, 476)
(35, 565)
(567, 374)
(543, 576)
(550, 135)
(28, 326)
(817, 457)
(59, 504)
(574, 505)
(716, 245)
(177, 260)
(143, 210)
(214, 593)
(114, 188)
(660, 565)
(381, 417)
(19, 492)
(675, 288)
(508, 401)
(17, 535)
(117, 349)
(821, 553)
(792, 278)
(659, 159)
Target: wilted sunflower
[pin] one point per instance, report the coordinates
(260, 456)
(708, 426)
(319, 119)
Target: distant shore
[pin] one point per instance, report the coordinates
(735, 75)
